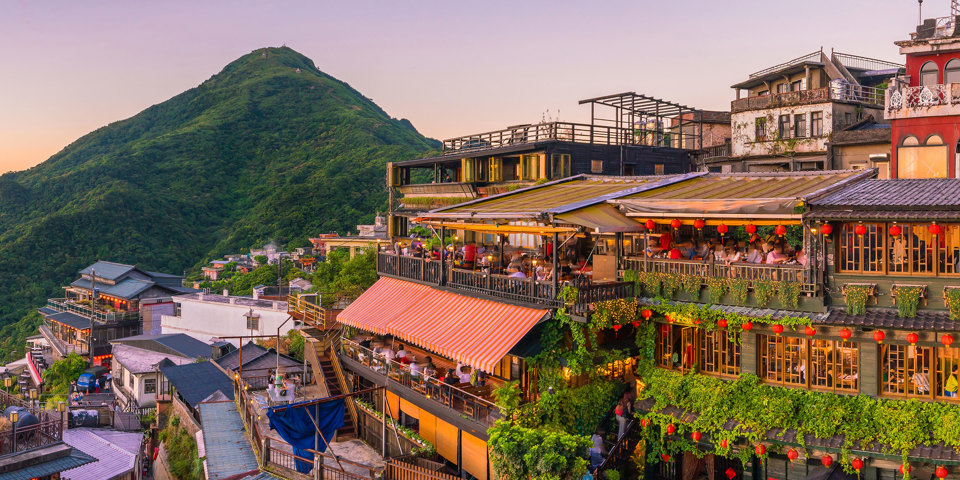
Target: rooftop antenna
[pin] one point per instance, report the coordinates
(919, 12)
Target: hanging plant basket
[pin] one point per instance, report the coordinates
(951, 298)
(856, 295)
(907, 298)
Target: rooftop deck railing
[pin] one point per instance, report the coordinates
(320, 313)
(564, 132)
(48, 430)
(810, 57)
(101, 316)
(837, 91)
(464, 402)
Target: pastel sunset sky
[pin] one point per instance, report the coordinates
(451, 67)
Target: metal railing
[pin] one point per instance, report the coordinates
(864, 63)
(922, 96)
(102, 316)
(749, 271)
(322, 314)
(48, 430)
(838, 90)
(565, 132)
(504, 286)
(599, 292)
(399, 470)
(623, 449)
(467, 404)
(810, 57)
(715, 152)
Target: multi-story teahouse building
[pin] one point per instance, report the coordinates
(813, 295)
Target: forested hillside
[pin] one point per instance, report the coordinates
(269, 149)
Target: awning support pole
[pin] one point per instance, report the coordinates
(556, 273)
(315, 464)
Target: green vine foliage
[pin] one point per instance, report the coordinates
(537, 453)
(788, 293)
(717, 288)
(951, 298)
(651, 283)
(690, 283)
(855, 297)
(738, 287)
(898, 425)
(763, 291)
(670, 283)
(908, 299)
(706, 317)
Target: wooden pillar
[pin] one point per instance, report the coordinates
(556, 272)
(443, 255)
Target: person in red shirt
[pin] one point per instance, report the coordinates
(675, 254)
(665, 242)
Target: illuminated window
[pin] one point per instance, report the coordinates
(783, 360)
(718, 354)
(912, 251)
(905, 370)
(495, 164)
(834, 366)
(676, 347)
(596, 166)
(861, 253)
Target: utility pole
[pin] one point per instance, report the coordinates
(93, 305)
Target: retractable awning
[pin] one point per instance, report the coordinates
(706, 208)
(603, 218)
(472, 331)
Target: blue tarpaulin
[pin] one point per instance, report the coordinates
(296, 427)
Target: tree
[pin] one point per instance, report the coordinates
(60, 375)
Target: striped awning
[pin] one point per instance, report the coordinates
(472, 331)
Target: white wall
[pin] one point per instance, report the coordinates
(205, 320)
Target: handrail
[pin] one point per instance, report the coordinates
(335, 361)
(398, 470)
(64, 305)
(401, 374)
(749, 271)
(789, 63)
(622, 449)
(866, 63)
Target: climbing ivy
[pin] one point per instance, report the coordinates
(763, 291)
(738, 287)
(951, 298)
(789, 294)
(908, 299)
(716, 287)
(855, 297)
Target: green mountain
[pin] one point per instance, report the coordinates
(269, 149)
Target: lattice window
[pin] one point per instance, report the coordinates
(783, 359)
(718, 354)
(861, 253)
(949, 254)
(664, 350)
(906, 370)
(834, 366)
(912, 251)
(947, 374)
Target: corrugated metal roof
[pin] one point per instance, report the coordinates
(917, 194)
(128, 288)
(139, 360)
(748, 185)
(173, 343)
(548, 197)
(228, 451)
(113, 459)
(75, 459)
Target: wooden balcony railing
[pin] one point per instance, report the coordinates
(317, 310)
(101, 316)
(465, 403)
(750, 271)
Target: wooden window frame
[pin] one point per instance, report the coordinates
(860, 250)
(780, 342)
(834, 362)
(903, 356)
(722, 347)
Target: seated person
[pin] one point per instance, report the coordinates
(464, 375)
(519, 273)
(401, 351)
(450, 378)
(776, 256)
(754, 254)
(415, 368)
(675, 254)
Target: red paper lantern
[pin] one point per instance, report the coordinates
(826, 460)
(778, 329)
(723, 443)
(846, 334)
(857, 464)
(698, 224)
(761, 450)
(810, 331)
(860, 230)
(879, 336)
(636, 324)
(895, 231)
(722, 229)
(730, 473)
(913, 338)
(751, 229)
(934, 229)
(646, 313)
(644, 422)
(826, 229)
(696, 436)
(617, 327)
(671, 428)
(665, 457)
(780, 230)
(675, 223)
(946, 339)
(747, 325)
(792, 454)
(669, 317)
(722, 323)
(941, 472)
(650, 224)
(909, 469)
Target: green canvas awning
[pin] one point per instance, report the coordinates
(602, 218)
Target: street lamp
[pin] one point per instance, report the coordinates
(14, 417)
(34, 395)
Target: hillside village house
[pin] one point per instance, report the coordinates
(116, 300)
(207, 316)
(790, 110)
(136, 360)
(924, 105)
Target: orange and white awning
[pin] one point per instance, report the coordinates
(472, 331)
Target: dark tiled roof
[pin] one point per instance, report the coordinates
(172, 343)
(197, 381)
(894, 213)
(918, 194)
(888, 318)
(108, 270)
(251, 351)
(75, 459)
(748, 311)
(71, 320)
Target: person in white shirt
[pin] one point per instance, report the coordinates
(754, 255)
(401, 352)
(464, 376)
(414, 368)
(388, 354)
